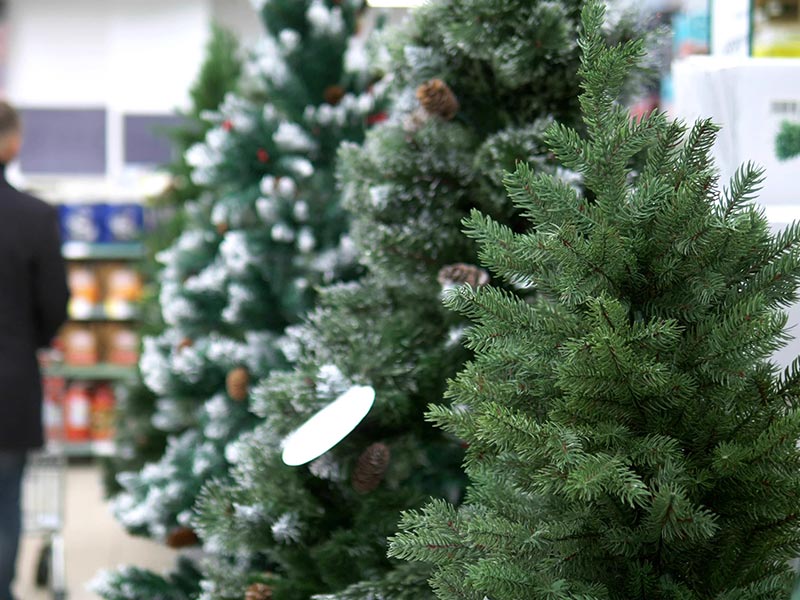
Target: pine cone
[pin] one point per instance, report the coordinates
(438, 99)
(258, 591)
(458, 273)
(371, 467)
(237, 383)
(222, 228)
(182, 537)
(185, 343)
(333, 94)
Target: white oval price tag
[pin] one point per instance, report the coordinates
(328, 427)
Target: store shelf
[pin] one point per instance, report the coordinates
(101, 372)
(99, 314)
(107, 251)
(82, 449)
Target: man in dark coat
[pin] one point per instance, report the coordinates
(33, 305)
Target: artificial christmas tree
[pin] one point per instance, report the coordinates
(628, 436)
(266, 232)
(475, 84)
(137, 440)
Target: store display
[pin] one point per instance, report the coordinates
(94, 348)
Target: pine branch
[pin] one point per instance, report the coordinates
(744, 188)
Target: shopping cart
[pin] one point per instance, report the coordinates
(44, 494)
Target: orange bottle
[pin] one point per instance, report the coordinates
(77, 412)
(102, 416)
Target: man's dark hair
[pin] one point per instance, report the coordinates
(9, 119)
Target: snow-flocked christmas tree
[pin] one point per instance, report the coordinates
(137, 440)
(267, 229)
(628, 435)
(476, 84)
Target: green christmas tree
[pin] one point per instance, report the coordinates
(787, 144)
(475, 84)
(137, 440)
(265, 231)
(628, 435)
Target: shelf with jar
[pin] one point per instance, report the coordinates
(76, 250)
(78, 414)
(98, 348)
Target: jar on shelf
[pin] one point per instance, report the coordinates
(77, 413)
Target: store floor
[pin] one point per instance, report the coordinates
(93, 540)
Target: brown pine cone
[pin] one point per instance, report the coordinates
(222, 228)
(371, 467)
(458, 273)
(182, 537)
(437, 98)
(237, 383)
(333, 94)
(185, 343)
(258, 591)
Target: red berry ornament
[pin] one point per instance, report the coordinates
(377, 118)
